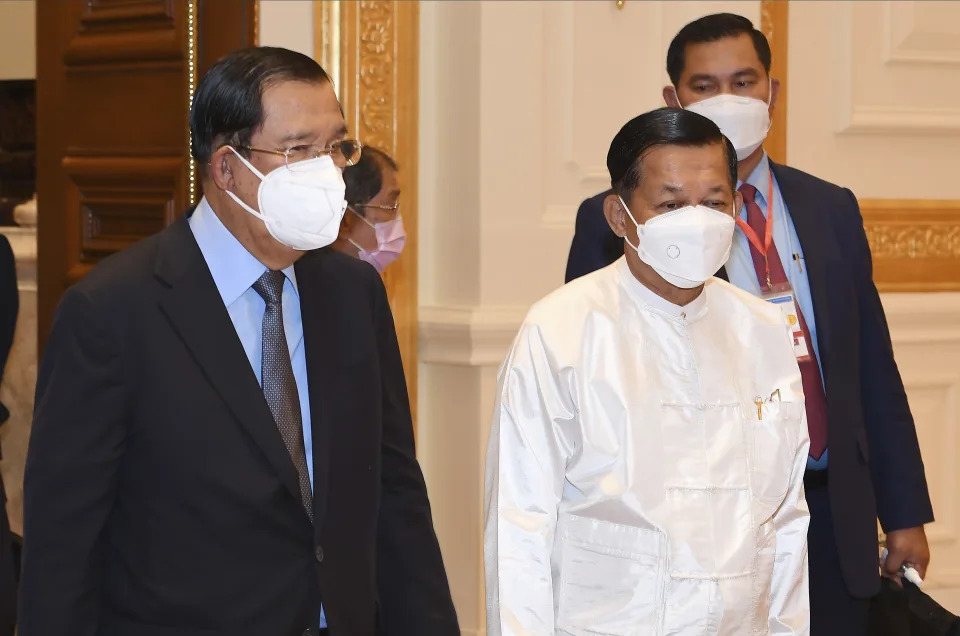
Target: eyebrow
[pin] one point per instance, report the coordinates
(670, 188)
(303, 135)
(296, 136)
(707, 77)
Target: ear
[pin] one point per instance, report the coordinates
(615, 214)
(670, 96)
(346, 224)
(220, 169)
(774, 93)
(737, 203)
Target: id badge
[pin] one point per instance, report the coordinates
(782, 297)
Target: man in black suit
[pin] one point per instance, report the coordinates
(222, 441)
(865, 460)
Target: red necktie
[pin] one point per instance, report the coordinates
(816, 401)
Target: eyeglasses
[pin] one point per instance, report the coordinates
(389, 208)
(344, 152)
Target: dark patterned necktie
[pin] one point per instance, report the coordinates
(279, 386)
(816, 400)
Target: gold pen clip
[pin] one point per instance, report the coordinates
(759, 402)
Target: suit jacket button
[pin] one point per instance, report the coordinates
(319, 554)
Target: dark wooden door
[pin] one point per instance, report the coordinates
(114, 83)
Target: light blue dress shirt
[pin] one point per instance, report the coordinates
(741, 272)
(234, 271)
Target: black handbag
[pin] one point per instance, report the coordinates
(908, 611)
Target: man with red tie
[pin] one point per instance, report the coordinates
(801, 244)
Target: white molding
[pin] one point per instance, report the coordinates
(913, 319)
(942, 578)
(560, 216)
(858, 119)
(465, 335)
(468, 336)
(900, 121)
(896, 53)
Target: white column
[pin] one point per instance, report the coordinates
(20, 376)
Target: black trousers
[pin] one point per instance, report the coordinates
(833, 612)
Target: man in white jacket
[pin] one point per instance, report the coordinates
(645, 469)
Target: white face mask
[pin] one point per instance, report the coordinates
(301, 204)
(745, 121)
(685, 246)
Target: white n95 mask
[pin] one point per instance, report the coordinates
(301, 204)
(745, 121)
(685, 246)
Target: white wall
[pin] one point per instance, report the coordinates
(874, 104)
(287, 23)
(518, 104)
(18, 36)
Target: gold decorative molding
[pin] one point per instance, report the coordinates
(371, 49)
(191, 89)
(774, 23)
(915, 244)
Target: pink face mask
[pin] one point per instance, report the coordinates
(391, 238)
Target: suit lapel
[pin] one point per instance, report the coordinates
(320, 343)
(193, 305)
(810, 230)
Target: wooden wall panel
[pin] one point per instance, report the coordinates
(115, 81)
(120, 200)
(774, 22)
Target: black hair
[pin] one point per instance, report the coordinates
(365, 178)
(228, 104)
(711, 28)
(661, 127)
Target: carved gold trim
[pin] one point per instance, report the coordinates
(191, 88)
(774, 22)
(326, 37)
(915, 244)
(371, 49)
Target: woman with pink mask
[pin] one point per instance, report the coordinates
(372, 229)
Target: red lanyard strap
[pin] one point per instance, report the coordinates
(748, 231)
(751, 235)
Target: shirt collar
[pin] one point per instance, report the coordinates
(760, 178)
(650, 300)
(233, 268)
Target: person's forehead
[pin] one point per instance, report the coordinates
(295, 105)
(721, 57)
(666, 162)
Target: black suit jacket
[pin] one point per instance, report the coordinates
(875, 464)
(159, 497)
